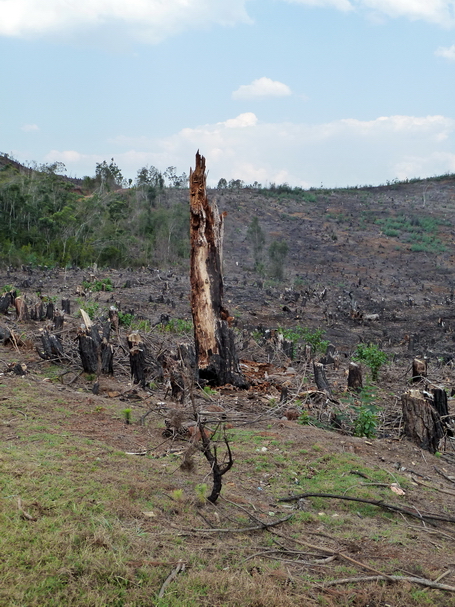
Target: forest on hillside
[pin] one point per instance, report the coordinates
(47, 219)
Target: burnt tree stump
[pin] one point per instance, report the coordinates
(421, 421)
(214, 340)
(355, 380)
(320, 378)
(52, 346)
(96, 352)
(66, 306)
(6, 301)
(137, 358)
(21, 309)
(419, 369)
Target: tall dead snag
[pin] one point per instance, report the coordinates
(214, 340)
(421, 420)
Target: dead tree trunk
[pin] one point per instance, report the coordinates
(214, 340)
(421, 421)
(95, 351)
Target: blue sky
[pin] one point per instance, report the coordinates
(309, 92)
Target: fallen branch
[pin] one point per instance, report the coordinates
(393, 578)
(180, 567)
(379, 503)
(245, 529)
(24, 514)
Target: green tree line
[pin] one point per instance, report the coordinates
(46, 219)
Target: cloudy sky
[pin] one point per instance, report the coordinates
(309, 92)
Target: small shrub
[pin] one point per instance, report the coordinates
(366, 421)
(105, 284)
(372, 356)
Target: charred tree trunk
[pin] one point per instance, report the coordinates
(66, 306)
(89, 349)
(419, 369)
(137, 358)
(217, 360)
(355, 380)
(52, 346)
(421, 421)
(59, 320)
(320, 378)
(6, 301)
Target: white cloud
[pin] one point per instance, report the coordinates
(441, 12)
(147, 20)
(340, 153)
(434, 11)
(29, 128)
(448, 52)
(343, 5)
(262, 88)
(151, 21)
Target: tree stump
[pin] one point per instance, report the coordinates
(50, 310)
(59, 320)
(419, 369)
(66, 306)
(137, 358)
(6, 301)
(355, 380)
(320, 378)
(421, 421)
(89, 349)
(214, 340)
(21, 309)
(330, 356)
(52, 346)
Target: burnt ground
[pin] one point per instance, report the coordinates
(338, 254)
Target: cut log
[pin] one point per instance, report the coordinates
(214, 340)
(419, 369)
(421, 421)
(355, 380)
(320, 378)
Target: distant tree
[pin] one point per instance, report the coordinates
(278, 251)
(109, 176)
(235, 184)
(256, 237)
(222, 184)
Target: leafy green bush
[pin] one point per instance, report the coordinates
(105, 284)
(366, 421)
(372, 356)
(178, 325)
(312, 338)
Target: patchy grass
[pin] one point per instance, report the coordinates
(83, 523)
